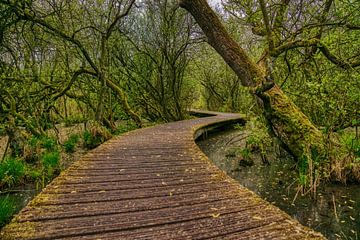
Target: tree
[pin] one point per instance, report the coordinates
(287, 122)
(154, 57)
(305, 73)
(59, 19)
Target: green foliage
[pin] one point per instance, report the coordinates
(7, 209)
(35, 146)
(158, 54)
(2, 130)
(303, 166)
(70, 143)
(352, 143)
(33, 174)
(125, 127)
(245, 153)
(95, 136)
(48, 143)
(74, 119)
(32, 150)
(12, 171)
(50, 159)
(219, 87)
(258, 137)
(51, 164)
(90, 141)
(33, 141)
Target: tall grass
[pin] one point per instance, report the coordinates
(7, 209)
(70, 144)
(12, 172)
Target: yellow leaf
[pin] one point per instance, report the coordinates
(215, 215)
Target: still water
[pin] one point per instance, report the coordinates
(18, 198)
(334, 211)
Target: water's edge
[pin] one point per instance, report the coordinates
(335, 212)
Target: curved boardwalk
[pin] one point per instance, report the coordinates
(152, 183)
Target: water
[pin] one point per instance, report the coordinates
(335, 211)
(18, 198)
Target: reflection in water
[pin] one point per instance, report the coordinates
(335, 211)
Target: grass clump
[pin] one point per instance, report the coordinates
(48, 143)
(345, 167)
(12, 172)
(126, 127)
(95, 136)
(72, 120)
(7, 209)
(70, 144)
(51, 164)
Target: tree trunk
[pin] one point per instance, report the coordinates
(301, 138)
(124, 103)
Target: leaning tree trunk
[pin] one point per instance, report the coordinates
(301, 138)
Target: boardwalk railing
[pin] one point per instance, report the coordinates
(152, 183)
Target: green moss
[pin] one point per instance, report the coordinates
(295, 130)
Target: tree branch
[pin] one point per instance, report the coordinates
(336, 60)
(26, 14)
(117, 18)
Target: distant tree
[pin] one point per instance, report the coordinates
(86, 27)
(155, 57)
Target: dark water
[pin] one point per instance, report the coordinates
(335, 211)
(20, 197)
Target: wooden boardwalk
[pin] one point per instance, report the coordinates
(152, 183)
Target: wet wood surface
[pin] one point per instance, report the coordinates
(152, 183)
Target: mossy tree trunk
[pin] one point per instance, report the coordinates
(300, 137)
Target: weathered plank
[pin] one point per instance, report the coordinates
(152, 183)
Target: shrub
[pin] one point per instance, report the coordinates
(50, 159)
(12, 172)
(51, 164)
(72, 120)
(95, 136)
(33, 174)
(48, 143)
(32, 150)
(126, 127)
(354, 146)
(70, 143)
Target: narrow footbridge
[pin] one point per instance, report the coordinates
(152, 183)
